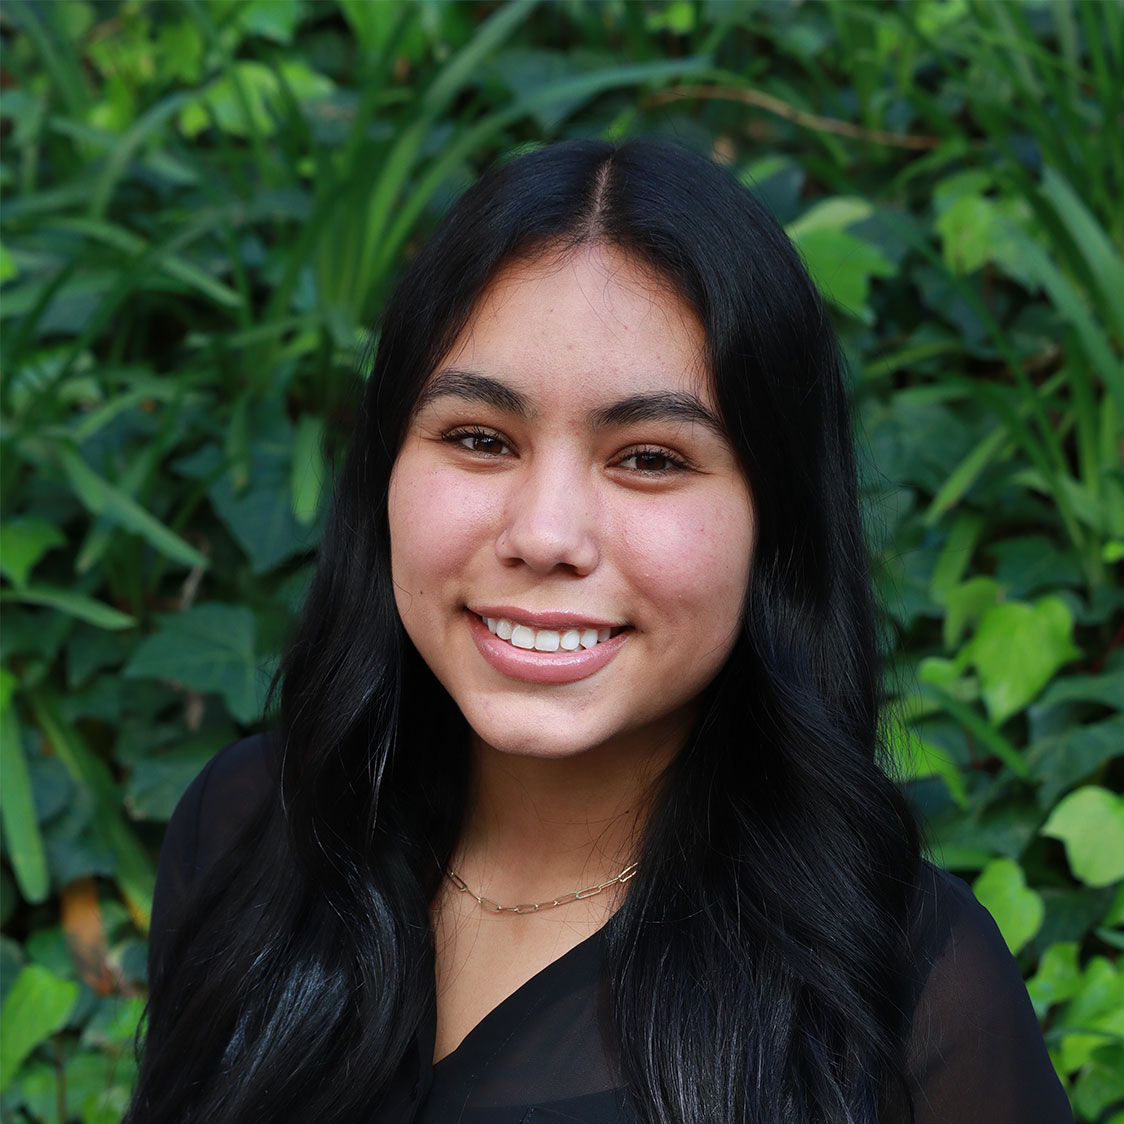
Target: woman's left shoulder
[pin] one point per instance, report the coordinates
(976, 1049)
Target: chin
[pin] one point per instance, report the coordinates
(533, 743)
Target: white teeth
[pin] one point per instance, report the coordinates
(546, 639)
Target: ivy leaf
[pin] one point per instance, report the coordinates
(842, 265)
(1018, 911)
(1063, 759)
(209, 648)
(966, 602)
(1090, 822)
(260, 516)
(1094, 1015)
(23, 542)
(1058, 977)
(157, 781)
(1101, 1084)
(37, 1005)
(1106, 689)
(1016, 650)
(916, 757)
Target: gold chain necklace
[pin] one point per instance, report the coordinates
(534, 907)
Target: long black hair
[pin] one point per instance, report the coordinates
(756, 966)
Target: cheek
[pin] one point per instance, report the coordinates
(693, 559)
(437, 522)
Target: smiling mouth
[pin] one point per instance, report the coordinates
(547, 639)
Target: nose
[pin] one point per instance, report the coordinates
(550, 521)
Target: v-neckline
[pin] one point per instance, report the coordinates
(497, 1014)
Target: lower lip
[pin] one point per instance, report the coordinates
(542, 667)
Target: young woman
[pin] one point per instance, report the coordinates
(575, 811)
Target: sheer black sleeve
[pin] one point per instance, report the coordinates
(211, 814)
(976, 1052)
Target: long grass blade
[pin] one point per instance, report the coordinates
(101, 497)
(22, 838)
(135, 873)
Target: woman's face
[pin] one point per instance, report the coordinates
(571, 533)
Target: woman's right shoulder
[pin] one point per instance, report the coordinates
(216, 808)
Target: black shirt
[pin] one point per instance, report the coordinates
(544, 1054)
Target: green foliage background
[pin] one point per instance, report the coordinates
(206, 201)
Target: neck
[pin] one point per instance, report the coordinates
(540, 827)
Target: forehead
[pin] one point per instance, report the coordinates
(584, 327)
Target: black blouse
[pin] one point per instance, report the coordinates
(544, 1054)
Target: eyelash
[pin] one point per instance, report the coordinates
(459, 436)
(674, 462)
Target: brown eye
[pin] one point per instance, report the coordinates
(652, 462)
(483, 443)
(480, 441)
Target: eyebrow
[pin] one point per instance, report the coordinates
(661, 406)
(474, 388)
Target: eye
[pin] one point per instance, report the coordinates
(484, 442)
(652, 461)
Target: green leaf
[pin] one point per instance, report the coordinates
(842, 266)
(162, 258)
(101, 497)
(1018, 911)
(916, 758)
(1090, 822)
(836, 213)
(1101, 1084)
(8, 267)
(73, 604)
(37, 1006)
(966, 602)
(22, 838)
(158, 780)
(271, 19)
(1058, 977)
(134, 869)
(1061, 760)
(1093, 242)
(1115, 914)
(309, 471)
(1094, 1015)
(263, 93)
(1016, 650)
(973, 722)
(1107, 689)
(23, 542)
(954, 557)
(259, 511)
(209, 648)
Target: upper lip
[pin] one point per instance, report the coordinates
(558, 619)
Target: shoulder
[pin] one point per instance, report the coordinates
(974, 1038)
(216, 810)
(946, 912)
